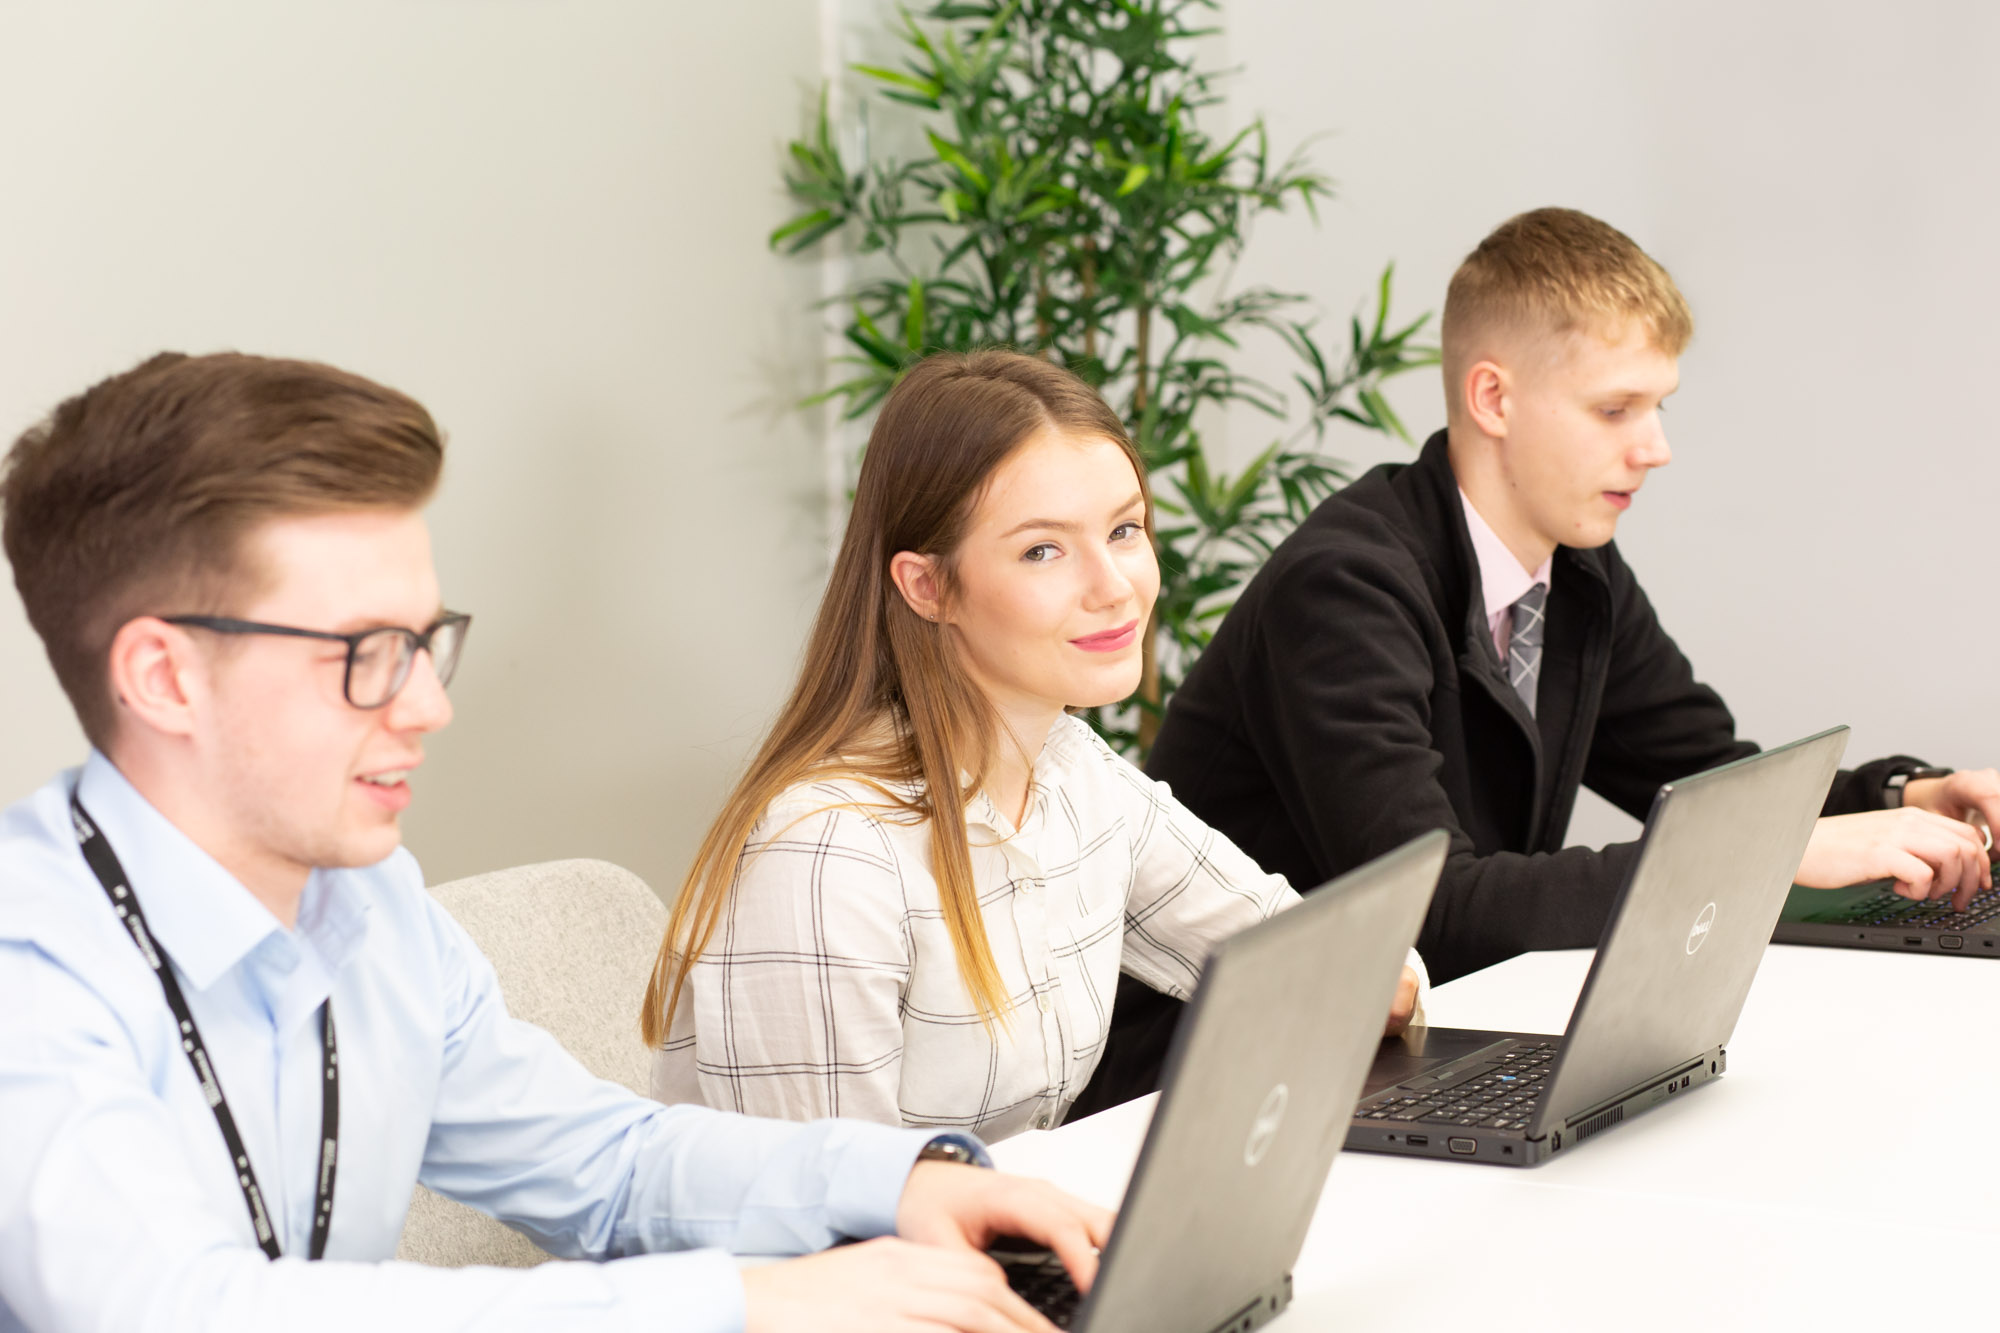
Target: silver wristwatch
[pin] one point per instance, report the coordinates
(1893, 785)
(947, 1150)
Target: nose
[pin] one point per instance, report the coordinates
(1109, 584)
(422, 704)
(1654, 451)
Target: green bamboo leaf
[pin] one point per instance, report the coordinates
(929, 88)
(954, 155)
(1135, 176)
(913, 321)
(819, 217)
(1378, 407)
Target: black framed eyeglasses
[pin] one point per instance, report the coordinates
(378, 660)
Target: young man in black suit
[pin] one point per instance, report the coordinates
(1457, 642)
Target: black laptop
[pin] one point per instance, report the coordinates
(1663, 994)
(1872, 916)
(1259, 1079)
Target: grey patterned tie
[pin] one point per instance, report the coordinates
(1524, 644)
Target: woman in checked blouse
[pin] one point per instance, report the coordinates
(915, 905)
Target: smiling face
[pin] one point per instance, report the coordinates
(1571, 429)
(1055, 578)
(301, 778)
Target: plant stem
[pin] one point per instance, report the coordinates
(1090, 297)
(1142, 343)
(1149, 680)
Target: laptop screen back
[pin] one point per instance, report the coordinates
(1260, 1084)
(1691, 923)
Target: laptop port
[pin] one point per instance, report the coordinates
(1420, 1140)
(1951, 941)
(1914, 941)
(1463, 1147)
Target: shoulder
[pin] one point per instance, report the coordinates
(841, 826)
(403, 913)
(47, 895)
(1360, 538)
(58, 935)
(838, 805)
(1086, 767)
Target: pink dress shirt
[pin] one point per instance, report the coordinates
(1501, 577)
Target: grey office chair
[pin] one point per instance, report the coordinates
(573, 943)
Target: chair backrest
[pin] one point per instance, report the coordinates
(573, 943)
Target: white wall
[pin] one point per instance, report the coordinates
(1821, 180)
(545, 219)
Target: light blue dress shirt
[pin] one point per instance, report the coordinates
(119, 1209)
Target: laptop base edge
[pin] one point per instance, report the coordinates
(1517, 1148)
(1977, 943)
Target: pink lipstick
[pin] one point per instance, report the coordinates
(1109, 641)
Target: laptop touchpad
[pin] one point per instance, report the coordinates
(1419, 1050)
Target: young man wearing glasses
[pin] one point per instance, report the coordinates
(231, 1019)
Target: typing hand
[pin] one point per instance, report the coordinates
(1972, 795)
(1405, 1003)
(886, 1286)
(966, 1208)
(1927, 854)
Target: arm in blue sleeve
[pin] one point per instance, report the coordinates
(591, 1169)
(104, 1226)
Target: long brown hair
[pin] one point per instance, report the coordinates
(881, 695)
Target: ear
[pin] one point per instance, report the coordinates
(1489, 391)
(156, 675)
(916, 577)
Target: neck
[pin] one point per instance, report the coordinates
(1024, 726)
(1475, 462)
(272, 880)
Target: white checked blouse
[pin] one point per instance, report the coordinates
(831, 988)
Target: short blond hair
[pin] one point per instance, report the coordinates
(1555, 271)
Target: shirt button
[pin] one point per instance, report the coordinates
(1043, 1002)
(1041, 1122)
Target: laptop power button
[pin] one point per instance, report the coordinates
(1463, 1147)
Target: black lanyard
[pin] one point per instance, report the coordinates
(104, 862)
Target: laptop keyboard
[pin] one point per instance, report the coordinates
(1044, 1283)
(1887, 909)
(1497, 1093)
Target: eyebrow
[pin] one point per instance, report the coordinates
(1065, 525)
(363, 625)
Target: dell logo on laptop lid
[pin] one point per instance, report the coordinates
(1702, 924)
(1264, 1130)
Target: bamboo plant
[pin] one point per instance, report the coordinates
(1071, 203)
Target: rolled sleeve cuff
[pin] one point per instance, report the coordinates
(867, 1184)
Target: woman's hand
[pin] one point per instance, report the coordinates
(1405, 1006)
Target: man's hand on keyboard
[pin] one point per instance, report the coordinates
(1929, 855)
(967, 1208)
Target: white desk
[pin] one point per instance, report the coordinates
(1838, 1176)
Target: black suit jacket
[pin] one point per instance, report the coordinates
(1352, 699)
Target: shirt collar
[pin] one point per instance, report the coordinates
(201, 914)
(1056, 754)
(1502, 580)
